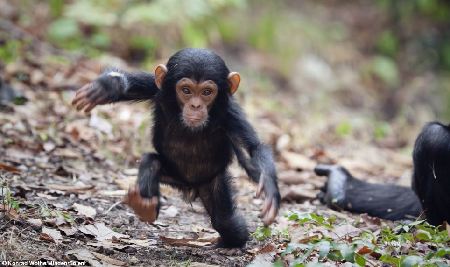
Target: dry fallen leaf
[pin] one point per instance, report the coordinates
(123, 243)
(101, 124)
(9, 168)
(126, 182)
(79, 130)
(112, 193)
(298, 161)
(262, 250)
(108, 260)
(346, 230)
(54, 235)
(170, 212)
(100, 231)
(68, 231)
(263, 260)
(189, 242)
(364, 250)
(298, 193)
(71, 188)
(49, 197)
(84, 255)
(87, 211)
(66, 153)
(35, 222)
(10, 212)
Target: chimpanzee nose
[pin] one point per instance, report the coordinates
(195, 106)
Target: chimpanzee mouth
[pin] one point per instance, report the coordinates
(194, 123)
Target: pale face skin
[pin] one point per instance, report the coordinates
(195, 99)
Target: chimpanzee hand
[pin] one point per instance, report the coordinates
(145, 208)
(272, 198)
(104, 90)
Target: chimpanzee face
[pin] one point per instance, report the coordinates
(197, 78)
(195, 100)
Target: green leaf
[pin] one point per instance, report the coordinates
(262, 233)
(343, 129)
(385, 69)
(360, 260)
(423, 235)
(387, 43)
(92, 13)
(335, 255)
(56, 7)
(410, 261)
(347, 252)
(10, 51)
(442, 252)
(20, 100)
(101, 40)
(390, 259)
(324, 247)
(63, 29)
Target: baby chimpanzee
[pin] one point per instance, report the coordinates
(197, 129)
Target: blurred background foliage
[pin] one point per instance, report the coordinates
(379, 65)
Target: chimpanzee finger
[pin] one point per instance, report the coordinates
(323, 169)
(266, 206)
(91, 98)
(82, 104)
(94, 103)
(80, 94)
(272, 214)
(90, 107)
(260, 187)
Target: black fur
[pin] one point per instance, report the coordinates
(431, 178)
(196, 160)
(430, 189)
(386, 201)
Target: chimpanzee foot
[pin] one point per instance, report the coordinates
(333, 192)
(145, 208)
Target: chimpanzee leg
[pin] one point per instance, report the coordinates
(386, 201)
(149, 175)
(217, 197)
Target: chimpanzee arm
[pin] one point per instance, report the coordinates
(115, 86)
(256, 158)
(386, 201)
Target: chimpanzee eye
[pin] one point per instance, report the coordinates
(186, 91)
(207, 92)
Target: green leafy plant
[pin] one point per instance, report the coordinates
(262, 233)
(8, 200)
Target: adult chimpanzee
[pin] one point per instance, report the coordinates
(197, 128)
(431, 184)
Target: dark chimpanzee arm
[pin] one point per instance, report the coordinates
(115, 86)
(386, 201)
(256, 158)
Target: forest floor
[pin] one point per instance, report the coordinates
(63, 175)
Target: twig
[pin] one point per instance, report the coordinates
(113, 206)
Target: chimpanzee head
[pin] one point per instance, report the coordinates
(196, 85)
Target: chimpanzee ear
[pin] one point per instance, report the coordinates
(160, 73)
(234, 79)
